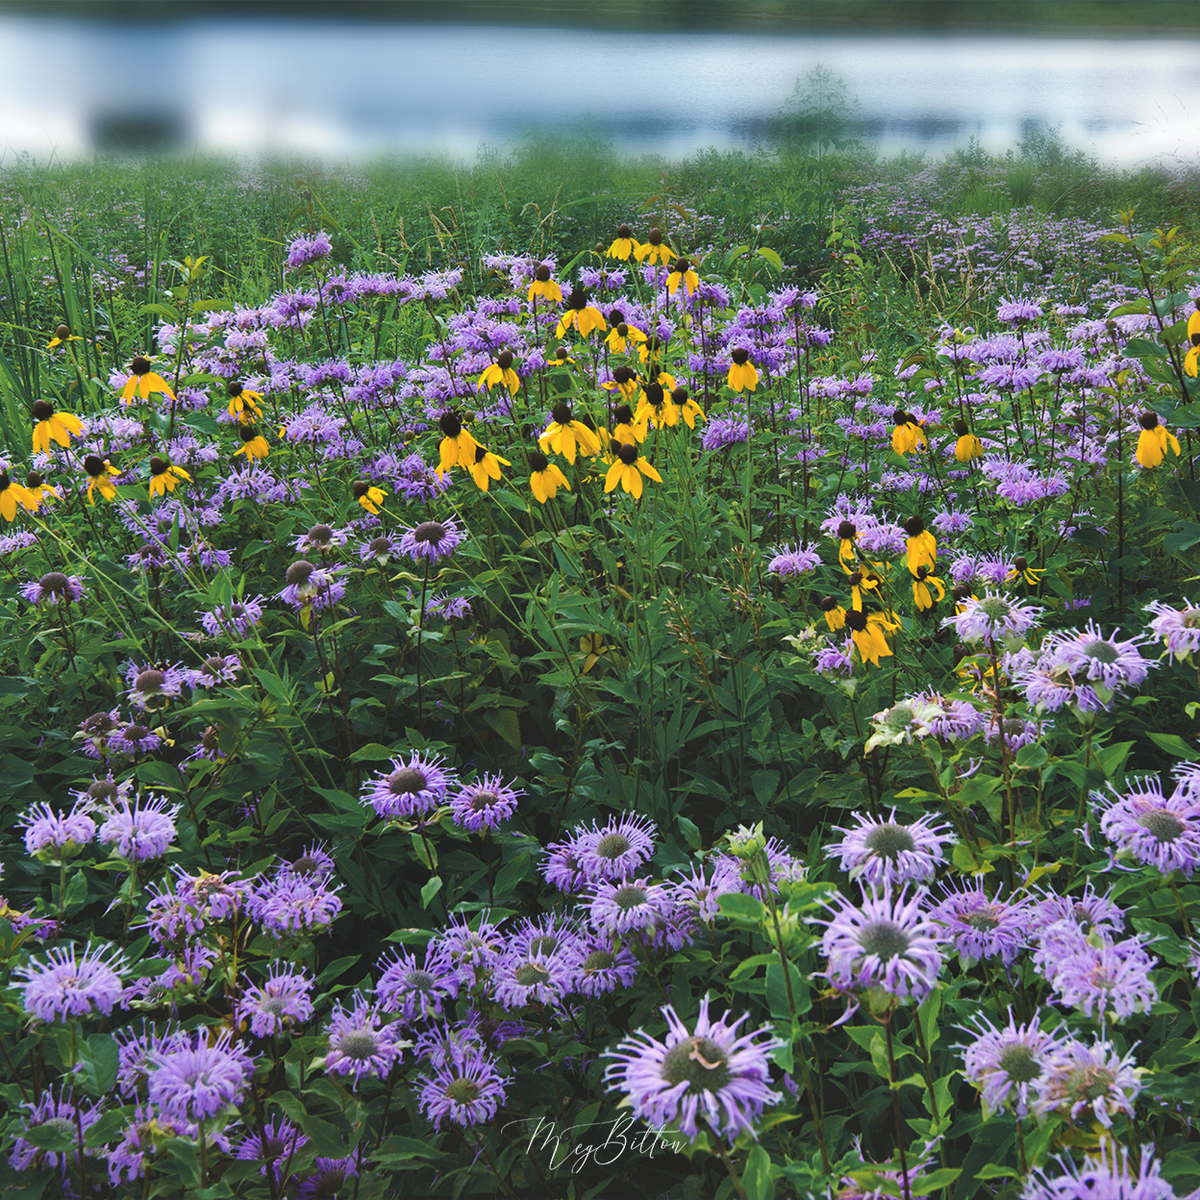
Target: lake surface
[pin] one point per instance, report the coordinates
(346, 90)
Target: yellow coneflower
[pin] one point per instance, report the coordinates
(565, 434)
(921, 585)
(622, 333)
(1154, 440)
(545, 478)
(1193, 335)
(164, 476)
(682, 272)
(501, 372)
(835, 614)
(486, 467)
(627, 470)
(868, 632)
(624, 244)
(627, 427)
(1021, 570)
(847, 535)
(654, 250)
(908, 434)
(62, 334)
(860, 580)
(368, 496)
(544, 286)
(581, 315)
(243, 403)
(658, 405)
(39, 490)
(12, 494)
(457, 447)
(53, 426)
(968, 446)
(743, 375)
(624, 380)
(100, 474)
(689, 410)
(254, 445)
(922, 545)
(143, 380)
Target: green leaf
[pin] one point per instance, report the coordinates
(743, 907)
(100, 1059)
(991, 1171)
(1172, 743)
(772, 257)
(373, 752)
(942, 1177)
(757, 1177)
(430, 890)
(425, 850)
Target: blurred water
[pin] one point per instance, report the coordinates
(346, 90)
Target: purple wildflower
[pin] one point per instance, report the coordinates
(64, 1116)
(888, 852)
(282, 1000)
(1177, 628)
(993, 619)
(415, 992)
(142, 830)
(410, 789)
(1006, 1064)
(55, 836)
(66, 986)
(1106, 1176)
(303, 250)
(292, 906)
(794, 560)
(464, 956)
(234, 619)
(520, 979)
(53, 589)
(1109, 979)
(357, 1044)
(196, 1082)
(627, 906)
(150, 687)
(707, 1074)
(329, 1176)
(431, 541)
(274, 1145)
(466, 1088)
(616, 850)
(135, 740)
(1161, 831)
(1089, 1077)
(980, 926)
(214, 670)
(604, 966)
(485, 803)
(889, 943)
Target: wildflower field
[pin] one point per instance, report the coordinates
(641, 681)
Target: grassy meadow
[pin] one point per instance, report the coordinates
(584, 677)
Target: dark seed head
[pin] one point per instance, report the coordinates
(1021, 563)
(158, 466)
(140, 365)
(55, 582)
(846, 530)
(233, 387)
(828, 604)
(914, 526)
(320, 534)
(617, 317)
(94, 465)
(654, 237)
(1148, 420)
(578, 298)
(623, 414)
(248, 432)
(856, 620)
(682, 266)
(538, 461)
(627, 452)
(299, 573)
(360, 489)
(504, 360)
(623, 231)
(561, 413)
(542, 274)
(655, 393)
(450, 425)
(680, 394)
(33, 480)
(42, 410)
(429, 532)
(621, 375)
(960, 427)
(63, 331)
